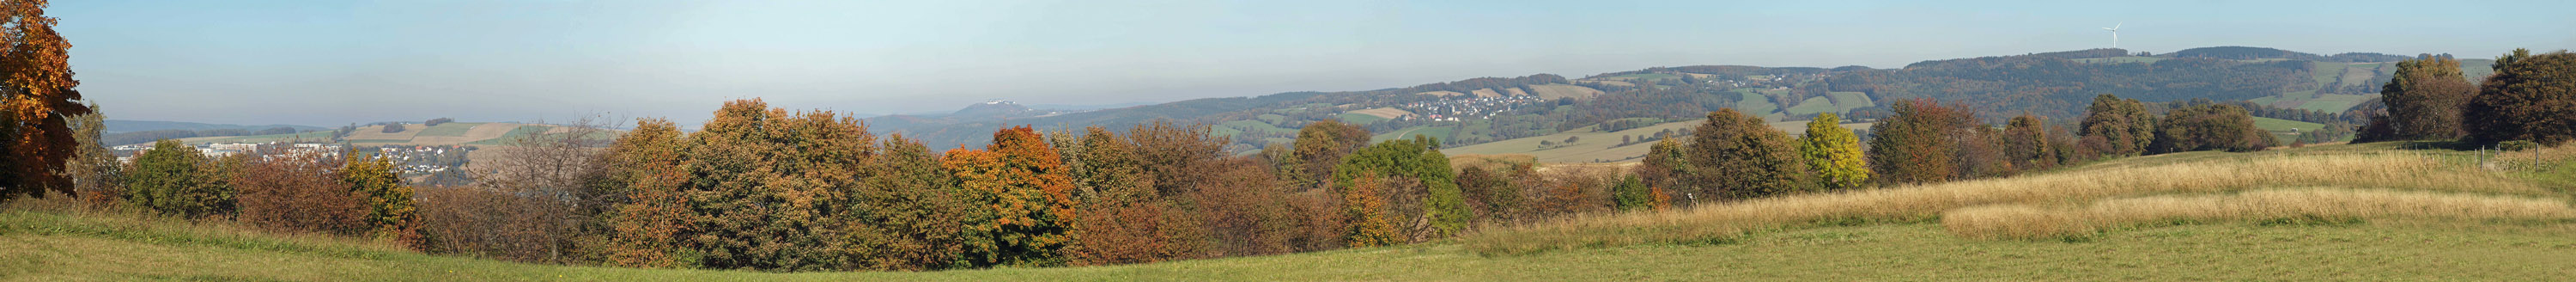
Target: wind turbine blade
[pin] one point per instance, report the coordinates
(2117, 26)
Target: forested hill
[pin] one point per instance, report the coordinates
(1474, 111)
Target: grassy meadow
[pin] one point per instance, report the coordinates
(2332, 212)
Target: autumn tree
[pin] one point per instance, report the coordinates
(174, 179)
(36, 104)
(1319, 147)
(1123, 218)
(1023, 181)
(2531, 97)
(1915, 144)
(2426, 97)
(1667, 164)
(1414, 162)
(1246, 212)
(1175, 155)
(1489, 192)
(2026, 143)
(910, 215)
(646, 211)
(389, 210)
(1834, 152)
(769, 185)
(1365, 209)
(1739, 156)
(2209, 127)
(2117, 127)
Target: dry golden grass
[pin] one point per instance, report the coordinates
(2286, 205)
(1721, 222)
(2531, 159)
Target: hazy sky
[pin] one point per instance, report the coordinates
(337, 62)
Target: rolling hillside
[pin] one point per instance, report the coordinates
(122, 126)
(2053, 84)
(453, 133)
(2355, 212)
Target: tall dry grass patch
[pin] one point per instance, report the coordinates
(62, 215)
(1724, 222)
(2029, 222)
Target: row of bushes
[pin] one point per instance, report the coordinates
(1736, 156)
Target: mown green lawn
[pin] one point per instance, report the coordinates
(1919, 252)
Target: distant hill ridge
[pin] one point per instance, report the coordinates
(2053, 84)
(122, 126)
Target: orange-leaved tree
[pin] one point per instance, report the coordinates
(36, 102)
(1022, 181)
(645, 167)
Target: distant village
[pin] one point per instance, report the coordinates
(1479, 107)
(413, 159)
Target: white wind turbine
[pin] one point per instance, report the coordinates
(2115, 35)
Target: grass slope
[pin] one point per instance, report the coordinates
(2281, 127)
(1899, 233)
(1593, 146)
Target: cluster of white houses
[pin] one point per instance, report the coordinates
(125, 153)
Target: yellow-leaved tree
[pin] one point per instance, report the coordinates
(1834, 152)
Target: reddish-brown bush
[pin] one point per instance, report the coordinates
(299, 192)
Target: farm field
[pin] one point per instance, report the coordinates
(1384, 112)
(1754, 102)
(1593, 146)
(1812, 106)
(1846, 101)
(1360, 119)
(2471, 225)
(2326, 72)
(2280, 128)
(1441, 132)
(1553, 91)
(1600, 146)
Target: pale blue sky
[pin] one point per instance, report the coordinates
(336, 62)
